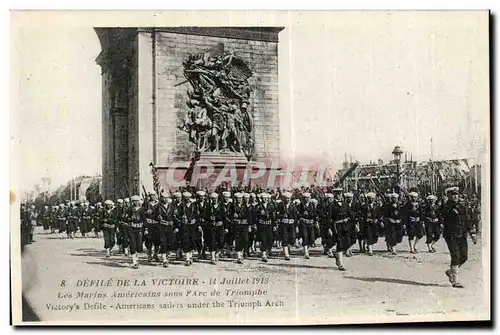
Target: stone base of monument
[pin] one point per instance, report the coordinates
(220, 159)
(214, 169)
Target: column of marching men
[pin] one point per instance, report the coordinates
(211, 226)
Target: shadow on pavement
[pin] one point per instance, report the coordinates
(394, 281)
(111, 264)
(302, 266)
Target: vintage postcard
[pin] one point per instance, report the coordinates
(250, 167)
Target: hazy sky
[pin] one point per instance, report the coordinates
(349, 82)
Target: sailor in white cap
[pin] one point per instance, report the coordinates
(414, 224)
(288, 219)
(353, 222)
(394, 225)
(308, 217)
(96, 220)
(215, 220)
(266, 220)
(165, 215)
(136, 219)
(456, 228)
(85, 219)
(151, 235)
(108, 226)
(370, 215)
(228, 228)
(122, 235)
(203, 233)
(62, 219)
(430, 216)
(340, 227)
(186, 215)
(72, 219)
(325, 217)
(238, 214)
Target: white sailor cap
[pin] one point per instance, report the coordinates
(337, 190)
(92, 207)
(371, 195)
(296, 201)
(246, 195)
(431, 197)
(192, 199)
(98, 204)
(151, 193)
(201, 193)
(329, 195)
(109, 202)
(253, 195)
(126, 200)
(135, 198)
(214, 195)
(287, 195)
(169, 200)
(349, 195)
(413, 194)
(265, 195)
(451, 189)
(186, 195)
(61, 205)
(306, 195)
(238, 195)
(120, 201)
(178, 194)
(226, 194)
(314, 201)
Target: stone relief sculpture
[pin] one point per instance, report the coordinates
(218, 118)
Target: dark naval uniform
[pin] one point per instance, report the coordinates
(308, 216)
(108, 228)
(239, 214)
(414, 225)
(164, 214)
(370, 220)
(149, 229)
(393, 225)
(62, 219)
(204, 236)
(266, 220)
(136, 219)
(73, 220)
(341, 223)
(432, 225)
(455, 230)
(85, 220)
(215, 213)
(186, 216)
(456, 227)
(287, 216)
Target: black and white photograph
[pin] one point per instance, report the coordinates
(250, 167)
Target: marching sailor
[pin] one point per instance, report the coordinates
(240, 214)
(265, 218)
(136, 219)
(414, 226)
(432, 224)
(164, 214)
(455, 230)
(216, 218)
(393, 223)
(370, 219)
(307, 220)
(108, 226)
(287, 214)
